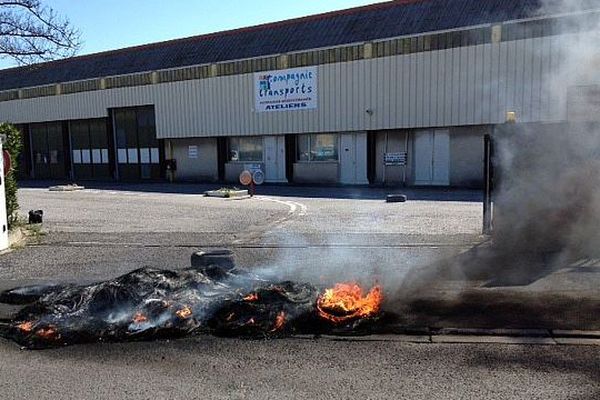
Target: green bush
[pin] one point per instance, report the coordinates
(13, 143)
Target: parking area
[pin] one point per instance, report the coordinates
(98, 233)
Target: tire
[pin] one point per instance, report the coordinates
(396, 198)
(219, 257)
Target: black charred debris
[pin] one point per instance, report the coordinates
(149, 304)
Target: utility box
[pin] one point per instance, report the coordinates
(3, 217)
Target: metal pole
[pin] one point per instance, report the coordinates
(488, 184)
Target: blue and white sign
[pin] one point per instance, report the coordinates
(286, 90)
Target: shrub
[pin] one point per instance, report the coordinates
(13, 143)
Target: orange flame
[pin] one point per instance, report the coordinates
(346, 301)
(184, 313)
(26, 327)
(140, 318)
(251, 297)
(49, 333)
(279, 322)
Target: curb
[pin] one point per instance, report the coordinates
(544, 337)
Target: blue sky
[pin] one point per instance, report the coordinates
(113, 24)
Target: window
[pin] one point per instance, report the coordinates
(246, 148)
(318, 147)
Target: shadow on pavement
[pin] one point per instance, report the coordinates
(483, 289)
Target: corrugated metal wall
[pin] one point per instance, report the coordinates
(461, 86)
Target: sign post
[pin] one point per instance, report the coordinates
(4, 170)
(251, 177)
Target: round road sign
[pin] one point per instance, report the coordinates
(246, 178)
(258, 177)
(6, 162)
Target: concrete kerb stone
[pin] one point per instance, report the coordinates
(575, 333)
(475, 336)
(575, 341)
(380, 338)
(493, 332)
(493, 339)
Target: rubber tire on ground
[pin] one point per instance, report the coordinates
(396, 198)
(220, 257)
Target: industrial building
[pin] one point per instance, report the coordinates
(396, 93)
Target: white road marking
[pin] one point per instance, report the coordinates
(293, 205)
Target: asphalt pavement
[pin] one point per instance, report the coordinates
(320, 235)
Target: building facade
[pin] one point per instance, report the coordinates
(398, 93)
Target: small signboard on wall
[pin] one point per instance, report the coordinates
(192, 151)
(395, 158)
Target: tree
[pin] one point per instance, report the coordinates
(31, 32)
(13, 142)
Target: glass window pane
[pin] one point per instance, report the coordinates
(76, 156)
(122, 156)
(104, 156)
(132, 155)
(324, 147)
(246, 148)
(86, 156)
(154, 155)
(234, 149)
(303, 147)
(251, 149)
(96, 156)
(145, 156)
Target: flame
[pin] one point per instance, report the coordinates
(279, 322)
(184, 313)
(346, 301)
(49, 333)
(26, 327)
(251, 297)
(140, 318)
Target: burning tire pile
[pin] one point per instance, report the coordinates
(149, 304)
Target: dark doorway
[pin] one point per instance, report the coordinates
(372, 157)
(90, 149)
(290, 157)
(138, 151)
(48, 150)
(24, 162)
(222, 157)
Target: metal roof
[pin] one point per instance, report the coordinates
(377, 21)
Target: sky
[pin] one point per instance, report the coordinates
(114, 24)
